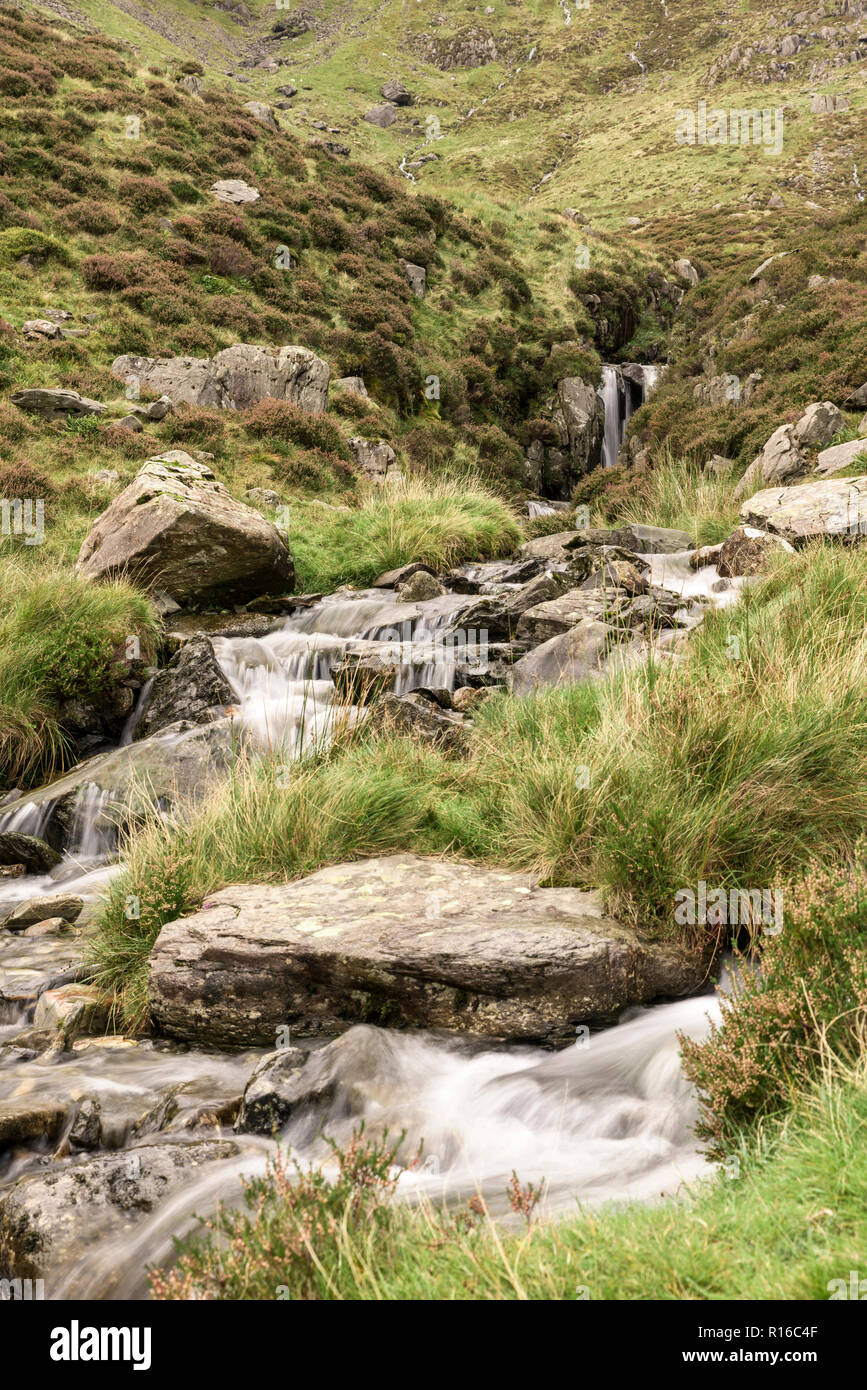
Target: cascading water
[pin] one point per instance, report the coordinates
(622, 395)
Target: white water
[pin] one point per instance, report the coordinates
(616, 396)
(610, 1118)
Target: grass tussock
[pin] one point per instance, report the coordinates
(788, 1220)
(440, 521)
(62, 640)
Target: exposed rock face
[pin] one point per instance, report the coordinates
(353, 385)
(235, 378)
(408, 941)
(55, 405)
(416, 277)
(578, 417)
(48, 1219)
(375, 458)
(785, 455)
(472, 48)
(834, 507)
(176, 529)
(726, 389)
(36, 856)
(192, 687)
(747, 551)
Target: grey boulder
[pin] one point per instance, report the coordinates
(177, 529)
(405, 941)
(235, 378)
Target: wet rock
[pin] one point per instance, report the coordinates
(747, 551)
(392, 579)
(86, 1129)
(177, 528)
(834, 507)
(52, 926)
(55, 405)
(552, 547)
(419, 587)
(558, 615)
(617, 574)
(420, 717)
(36, 856)
(405, 941)
(235, 378)
(49, 1219)
(71, 1011)
(544, 587)
(577, 654)
(361, 678)
(635, 539)
(192, 687)
(66, 907)
(29, 1117)
(269, 1094)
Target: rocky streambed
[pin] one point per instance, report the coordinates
(414, 994)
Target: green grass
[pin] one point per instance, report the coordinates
(731, 766)
(437, 521)
(791, 1220)
(62, 639)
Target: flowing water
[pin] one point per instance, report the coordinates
(609, 1117)
(618, 394)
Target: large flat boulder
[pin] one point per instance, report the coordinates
(834, 507)
(404, 941)
(177, 529)
(854, 451)
(235, 378)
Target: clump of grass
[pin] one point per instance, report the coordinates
(62, 639)
(791, 1224)
(440, 521)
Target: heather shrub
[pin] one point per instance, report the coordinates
(193, 424)
(281, 420)
(806, 1003)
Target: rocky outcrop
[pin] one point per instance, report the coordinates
(416, 277)
(177, 529)
(404, 941)
(263, 113)
(785, 456)
(842, 456)
(192, 687)
(375, 459)
(55, 405)
(395, 91)
(235, 378)
(383, 115)
(472, 48)
(578, 419)
(234, 191)
(834, 507)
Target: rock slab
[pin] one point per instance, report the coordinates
(404, 941)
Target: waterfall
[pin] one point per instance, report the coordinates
(622, 391)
